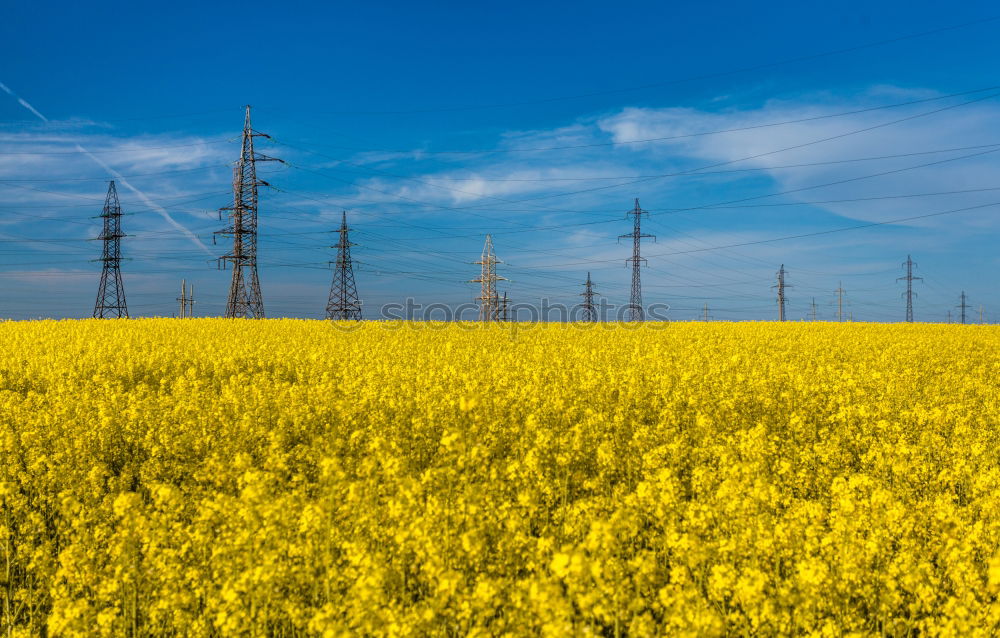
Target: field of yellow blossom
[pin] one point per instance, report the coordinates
(216, 477)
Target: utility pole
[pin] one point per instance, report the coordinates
(636, 312)
(589, 311)
(343, 302)
(489, 302)
(781, 285)
(186, 301)
(908, 264)
(840, 300)
(963, 306)
(245, 300)
(812, 313)
(110, 302)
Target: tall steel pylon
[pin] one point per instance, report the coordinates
(245, 300)
(589, 311)
(909, 278)
(343, 303)
(812, 312)
(963, 306)
(110, 302)
(186, 301)
(636, 312)
(489, 301)
(840, 300)
(781, 285)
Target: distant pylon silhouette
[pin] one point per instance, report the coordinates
(111, 291)
(186, 301)
(781, 285)
(489, 301)
(589, 311)
(245, 300)
(636, 312)
(343, 303)
(909, 279)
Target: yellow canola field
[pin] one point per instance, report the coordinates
(218, 477)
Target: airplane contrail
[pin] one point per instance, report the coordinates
(118, 176)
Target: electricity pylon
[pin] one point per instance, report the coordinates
(245, 300)
(186, 301)
(343, 302)
(503, 308)
(812, 313)
(909, 278)
(636, 312)
(705, 316)
(489, 302)
(781, 285)
(982, 316)
(589, 311)
(110, 302)
(963, 306)
(949, 316)
(840, 300)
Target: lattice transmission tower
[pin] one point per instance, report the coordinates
(636, 312)
(840, 292)
(110, 302)
(245, 300)
(589, 310)
(186, 300)
(963, 306)
(489, 301)
(781, 285)
(909, 294)
(343, 303)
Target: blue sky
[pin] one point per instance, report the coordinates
(749, 132)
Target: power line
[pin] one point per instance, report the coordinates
(798, 236)
(654, 139)
(686, 173)
(139, 149)
(775, 151)
(707, 76)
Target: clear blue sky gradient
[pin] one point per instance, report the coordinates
(415, 120)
